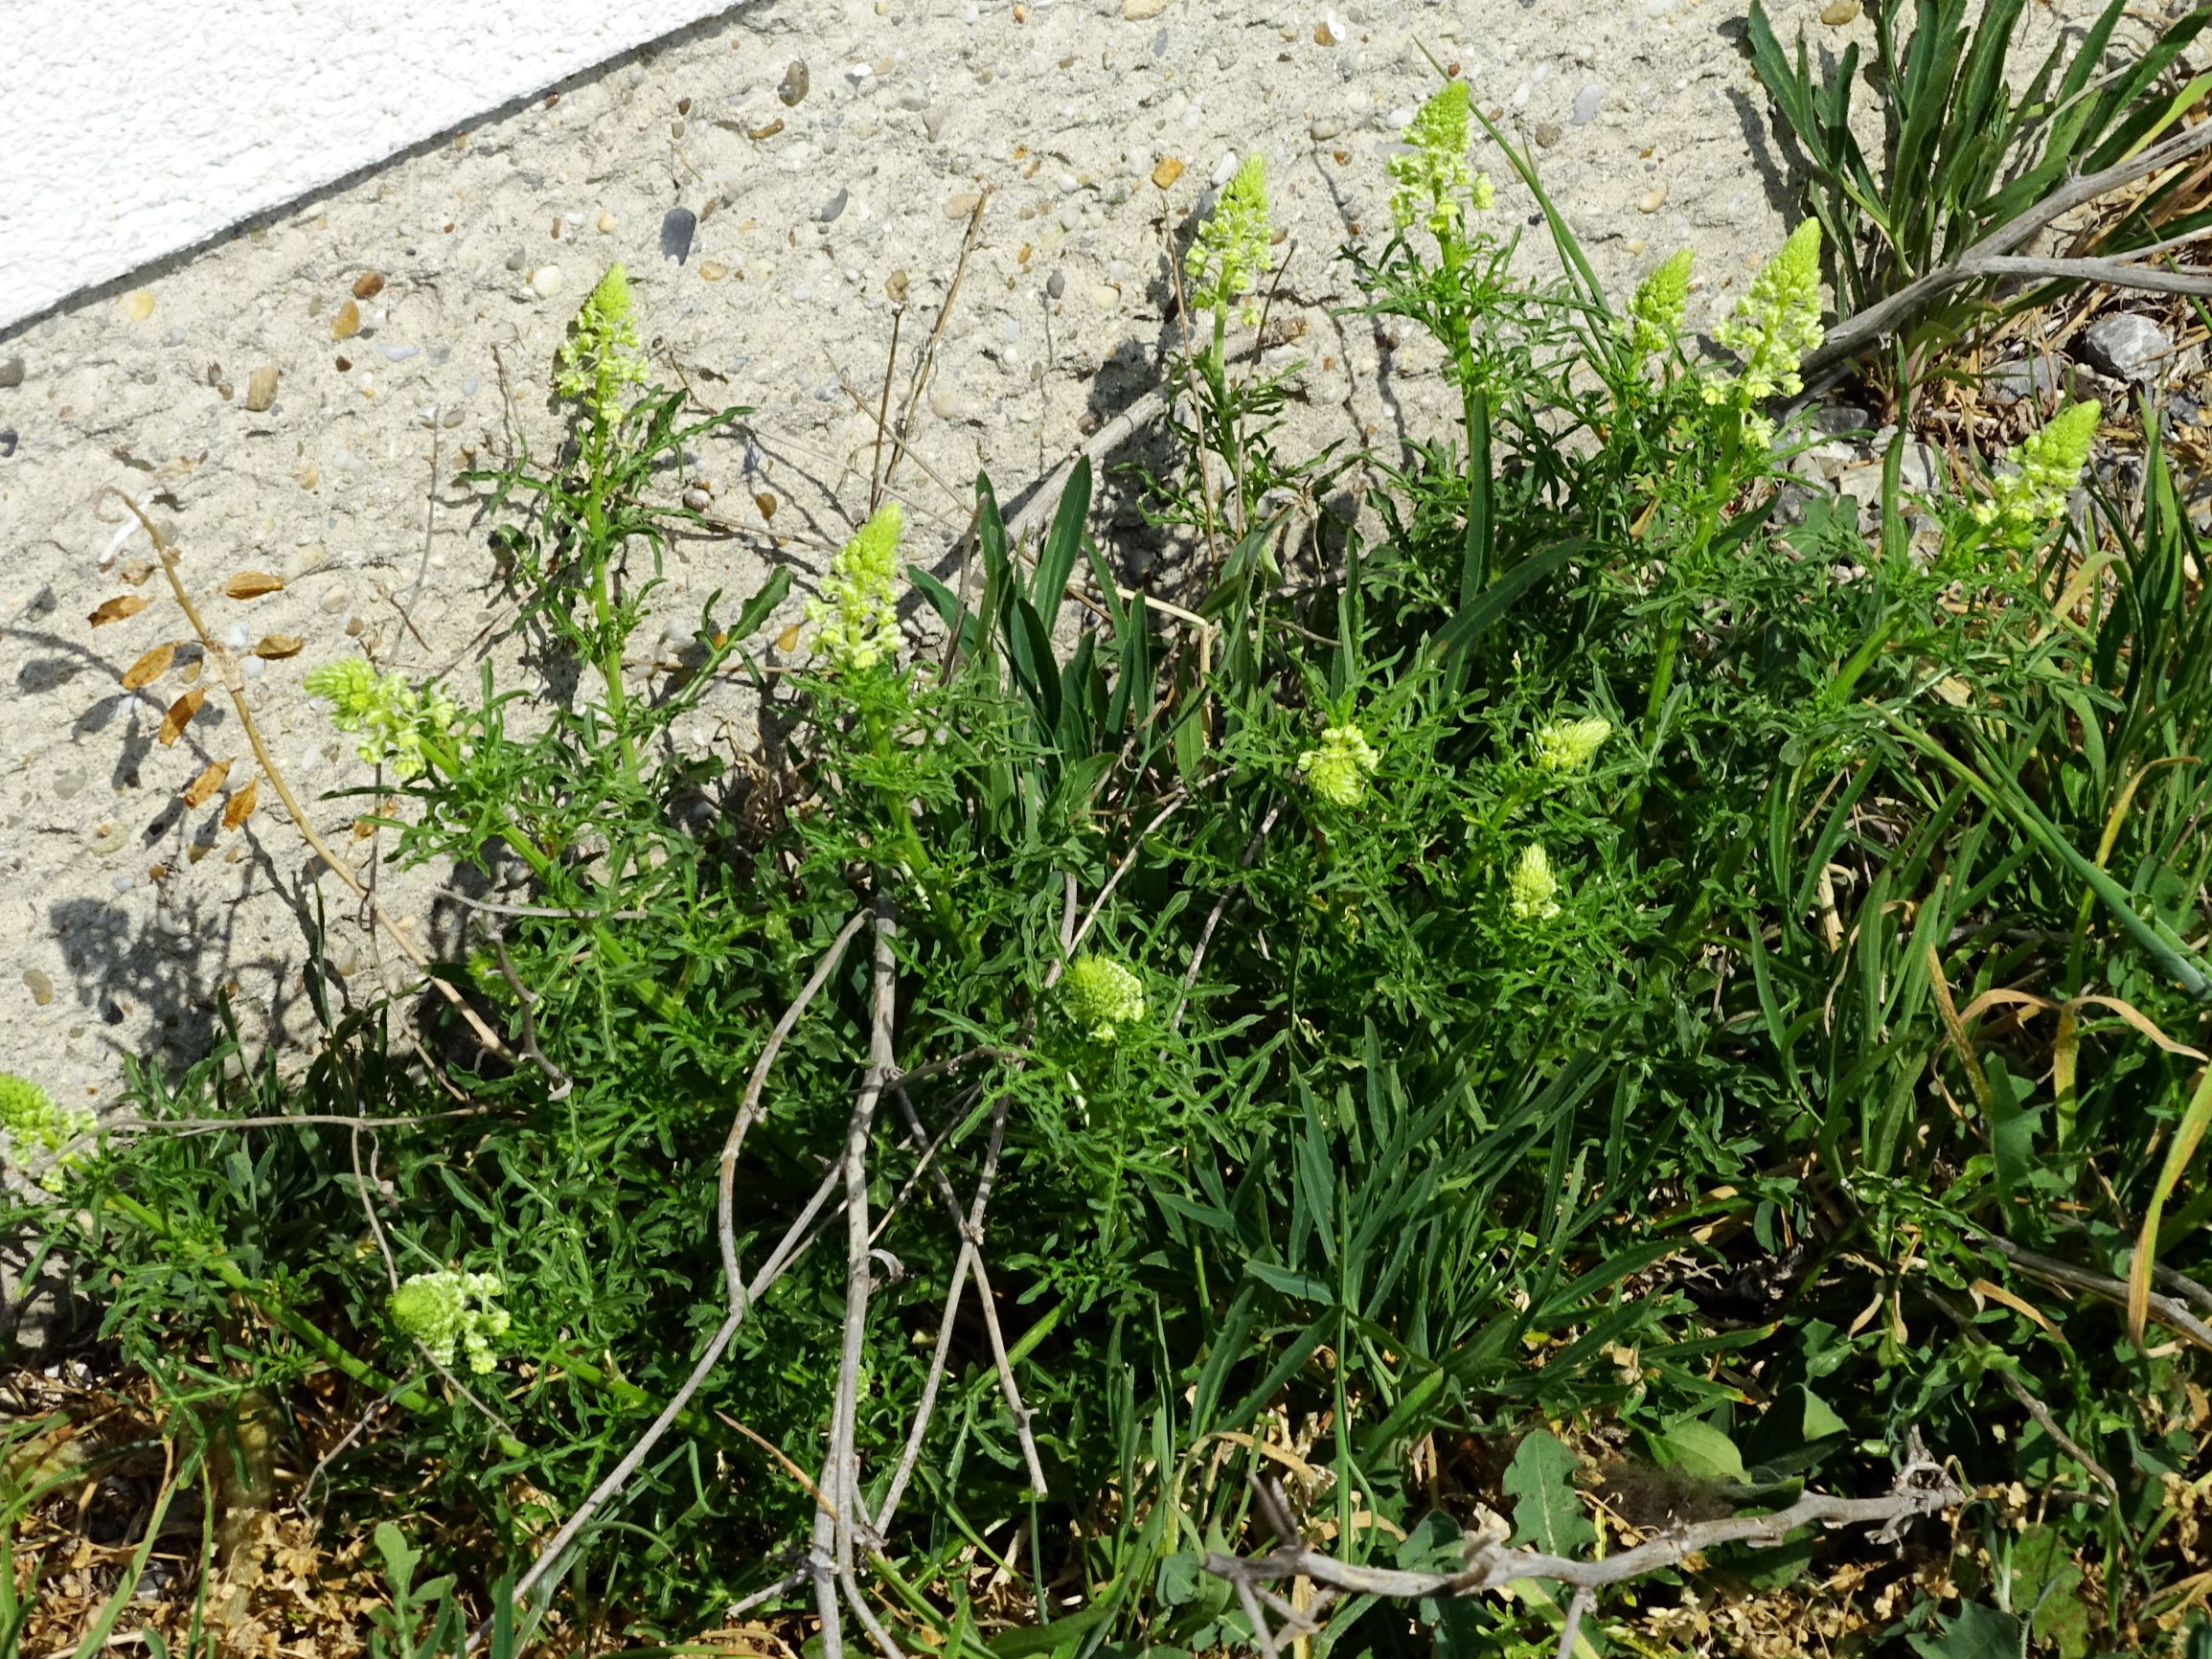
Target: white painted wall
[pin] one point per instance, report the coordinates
(132, 128)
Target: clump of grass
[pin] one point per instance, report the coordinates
(1602, 960)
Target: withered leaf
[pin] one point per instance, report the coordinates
(253, 583)
(275, 646)
(789, 639)
(151, 667)
(180, 714)
(241, 806)
(201, 789)
(115, 609)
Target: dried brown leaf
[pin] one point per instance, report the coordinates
(180, 714)
(241, 806)
(201, 789)
(122, 605)
(151, 667)
(253, 583)
(275, 646)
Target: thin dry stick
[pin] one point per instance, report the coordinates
(325, 1120)
(2168, 1309)
(2114, 273)
(495, 908)
(1848, 338)
(748, 1107)
(899, 447)
(524, 997)
(369, 1210)
(970, 1231)
(777, 1452)
(361, 1184)
(234, 683)
(790, 1580)
(1920, 1489)
(929, 1386)
(883, 408)
(834, 1528)
(1174, 805)
(379, 1404)
(618, 1477)
(2029, 1404)
(925, 1164)
(1213, 916)
(929, 355)
(405, 596)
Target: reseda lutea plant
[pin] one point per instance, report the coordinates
(1376, 1034)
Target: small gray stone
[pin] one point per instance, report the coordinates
(678, 226)
(6, 443)
(517, 258)
(2125, 346)
(827, 214)
(68, 781)
(1588, 102)
(793, 86)
(12, 372)
(933, 120)
(1160, 43)
(399, 353)
(2021, 378)
(1056, 284)
(1547, 135)
(1837, 418)
(1324, 127)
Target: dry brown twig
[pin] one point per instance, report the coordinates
(1996, 254)
(235, 686)
(1921, 1488)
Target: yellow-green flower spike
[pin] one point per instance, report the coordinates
(2050, 464)
(1656, 312)
(391, 716)
(35, 1125)
(601, 355)
(1230, 250)
(445, 1310)
(1102, 997)
(1564, 746)
(1777, 322)
(1431, 174)
(856, 619)
(1338, 768)
(1533, 887)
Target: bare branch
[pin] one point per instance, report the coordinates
(1920, 1489)
(1213, 916)
(741, 1302)
(2167, 1310)
(833, 1528)
(1848, 338)
(749, 1105)
(524, 997)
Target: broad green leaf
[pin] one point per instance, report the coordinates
(1701, 1450)
(1547, 1511)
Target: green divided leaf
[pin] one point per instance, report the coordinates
(1547, 1511)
